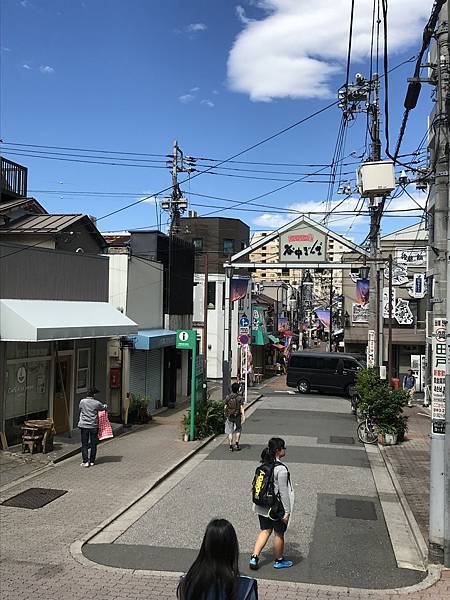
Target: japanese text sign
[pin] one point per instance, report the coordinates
(438, 373)
(303, 244)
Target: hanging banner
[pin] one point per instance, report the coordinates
(238, 288)
(324, 317)
(362, 292)
(386, 302)
(402, 312)
(283, 323)
(259, 335)
(360, 314)
(438, 373)
(414, 257)
(371, 348)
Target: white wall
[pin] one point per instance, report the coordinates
(216, 324)
(118, 280)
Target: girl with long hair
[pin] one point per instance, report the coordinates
(214, 574)
(272, 455)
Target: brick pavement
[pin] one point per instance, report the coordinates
(35, 544)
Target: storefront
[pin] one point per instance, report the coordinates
(148, 363)
(51, 352)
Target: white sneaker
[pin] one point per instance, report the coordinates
(85, 464)
(91, 464)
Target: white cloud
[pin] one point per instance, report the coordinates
(186, 98)
(149, 199)
(215, 92)
(195, 27)
(207, 103)
(26, 66)
(25, 3)
(240, 12)
(46, 69)
(5, 49)
(194, 89)
(297, 46)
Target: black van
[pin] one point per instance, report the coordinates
(322, 371)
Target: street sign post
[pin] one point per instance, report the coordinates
(187, 340)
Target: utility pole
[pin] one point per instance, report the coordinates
(439, 233)
(176, 204)
(374, 235)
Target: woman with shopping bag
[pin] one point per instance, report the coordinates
(90, 417)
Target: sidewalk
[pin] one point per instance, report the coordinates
(35, 544)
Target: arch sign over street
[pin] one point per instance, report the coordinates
(303, 244)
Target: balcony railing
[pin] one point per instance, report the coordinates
(13, 178)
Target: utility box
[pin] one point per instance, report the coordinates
(376, 178)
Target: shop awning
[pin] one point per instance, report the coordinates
(152, 339)
(46, 320)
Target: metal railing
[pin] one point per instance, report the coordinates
(13, 178)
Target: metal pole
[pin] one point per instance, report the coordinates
(226, 369)
(331, 310)
(245, 350)
(193, 390)
(390, 321)
(205, 326)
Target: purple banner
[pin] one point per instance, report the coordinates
(238, 289)
(362, 292)
(324, 317)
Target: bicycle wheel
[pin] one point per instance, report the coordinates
(366, 435)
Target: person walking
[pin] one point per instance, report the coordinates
(409, 385)
(234, 416)
(272, 455)
(88, 425)
(214, 575)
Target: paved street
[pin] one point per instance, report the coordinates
(40, 553)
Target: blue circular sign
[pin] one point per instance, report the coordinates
(244, 321)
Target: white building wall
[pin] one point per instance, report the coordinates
(118, 281)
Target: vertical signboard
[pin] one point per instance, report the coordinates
(371, 348)
(438, 373)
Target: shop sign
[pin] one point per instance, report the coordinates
(360, 314)
(399, 273)
(418, 288)
(414, 257)
(386, 302)
(402, 312)
(302, 244)
(371, 348)
(438, 373)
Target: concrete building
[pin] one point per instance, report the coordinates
(215, 239)
(408, 248)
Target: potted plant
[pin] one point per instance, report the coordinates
(386, 405)
(185, 426)
(143, 414)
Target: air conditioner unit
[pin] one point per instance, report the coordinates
(376, 178)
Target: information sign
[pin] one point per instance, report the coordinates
(438, 373)
(244, 321)
(186, 339)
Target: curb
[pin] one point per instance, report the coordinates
(76, 547)
(419, 539)
(408, 552)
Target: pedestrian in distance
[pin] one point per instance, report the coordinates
(234, 417)
(272, 480)
(409, 385)
(88, 425)
(214, 575)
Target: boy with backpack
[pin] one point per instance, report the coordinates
(234, 416)
(273, 500)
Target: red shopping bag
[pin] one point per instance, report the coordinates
(104, 426)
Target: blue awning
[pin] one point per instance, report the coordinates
(152, 339)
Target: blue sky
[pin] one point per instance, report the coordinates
(216, 75)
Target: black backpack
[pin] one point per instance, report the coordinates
(263, 486)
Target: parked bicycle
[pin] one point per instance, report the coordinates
(366, 429)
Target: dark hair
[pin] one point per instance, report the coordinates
(274, 444)
(235, 388)
(93, 390)
(215, 570)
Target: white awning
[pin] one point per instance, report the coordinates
(45, 320)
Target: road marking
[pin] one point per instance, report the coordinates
(283, 392)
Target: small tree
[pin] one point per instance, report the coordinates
(386, 404)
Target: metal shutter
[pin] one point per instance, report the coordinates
(137, 371)
(153, 379)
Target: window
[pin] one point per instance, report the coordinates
(212, 295)
(83, 369)
(350, 364)
(228, 246)
(198, 244)
(243, 245)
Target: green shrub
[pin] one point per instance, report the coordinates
(386, 404)
(209, 420)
